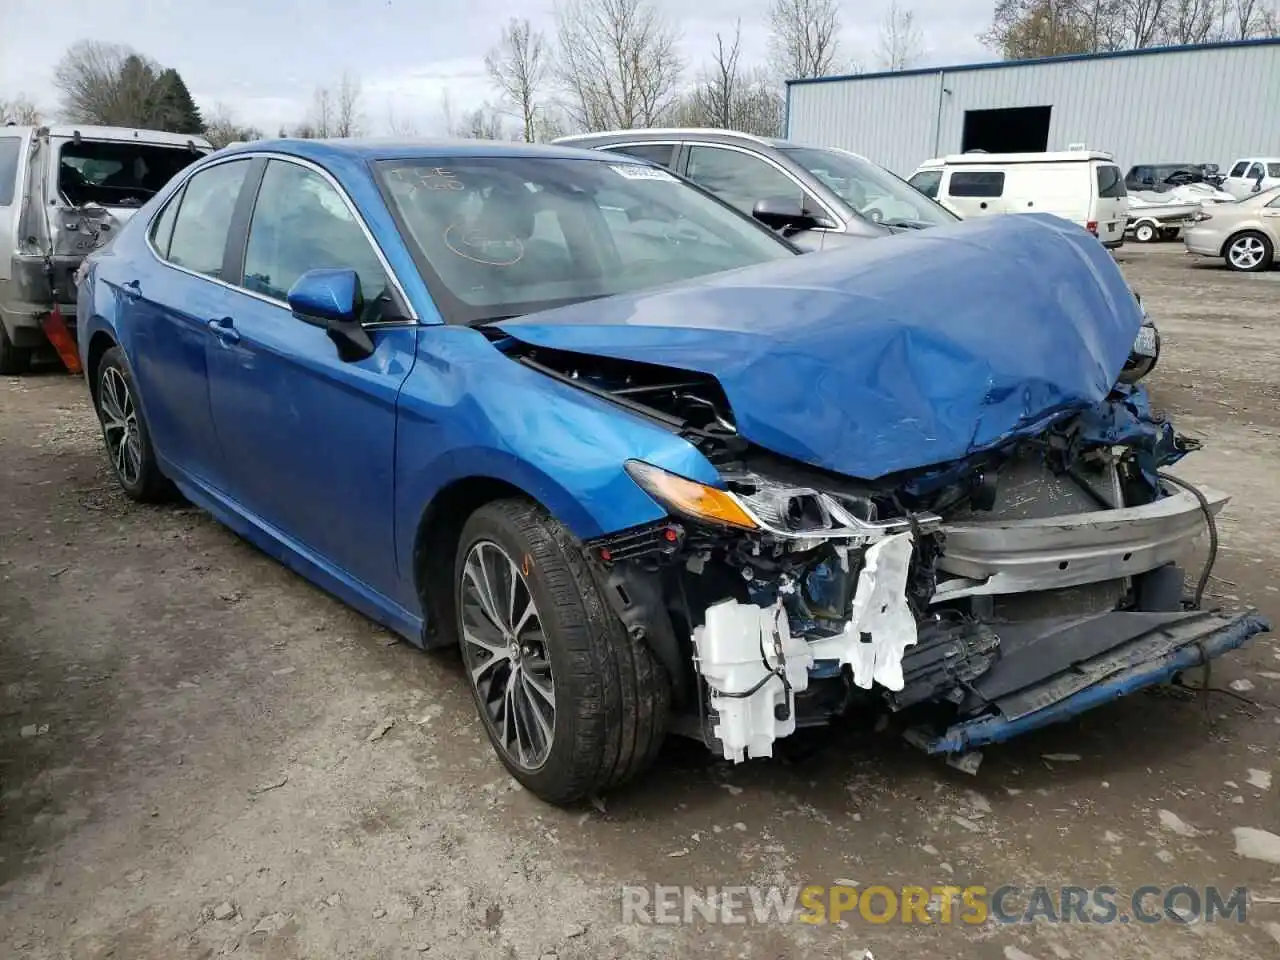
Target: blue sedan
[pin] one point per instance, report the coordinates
(648, 467)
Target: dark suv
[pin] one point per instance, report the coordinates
(818, 196)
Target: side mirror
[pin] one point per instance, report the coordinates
(783, 213)
(332, 299)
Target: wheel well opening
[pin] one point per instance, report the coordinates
(436, 545)
(98, 348)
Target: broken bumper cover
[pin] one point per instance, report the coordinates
(1154, 656)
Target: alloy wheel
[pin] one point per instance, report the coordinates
(505, 652)
(1246, 253)
(120, 426)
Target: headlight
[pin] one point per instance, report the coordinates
(1143, 356)
(690, 498)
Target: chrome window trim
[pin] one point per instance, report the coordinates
(835, 217)
(412, 320)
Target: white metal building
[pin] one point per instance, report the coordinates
(1211, 103)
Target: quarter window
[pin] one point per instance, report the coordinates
(741, 179)
(10, 150)
(976, 183)
(300, 223)
(199, 238)
(162, 229)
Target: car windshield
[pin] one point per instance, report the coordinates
(873, 192)
(119, 173)
(503, 236)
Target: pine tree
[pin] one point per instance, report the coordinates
(174, 109)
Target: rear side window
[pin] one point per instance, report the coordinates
(200, 229)
(653, 152)
(976, 183)
(10, 150)
(1255, 170)
(1110, 183)
(927, 182)
(1273, 169)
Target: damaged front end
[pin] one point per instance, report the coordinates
(976, 599)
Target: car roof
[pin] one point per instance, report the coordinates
(715, 134)
(372, 148)
(1060, 156)
(91, 132)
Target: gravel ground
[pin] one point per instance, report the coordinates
(188, 767)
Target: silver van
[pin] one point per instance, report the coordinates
(64, 190)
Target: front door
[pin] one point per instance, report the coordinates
(309, 438)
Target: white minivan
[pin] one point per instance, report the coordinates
(1083, 186)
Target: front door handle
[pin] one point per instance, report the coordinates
(224, 328)
(131, 289)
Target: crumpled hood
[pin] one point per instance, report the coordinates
(890, 355)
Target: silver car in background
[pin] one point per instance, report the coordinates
(1246, 233)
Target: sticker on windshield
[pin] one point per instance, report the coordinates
(636, 171)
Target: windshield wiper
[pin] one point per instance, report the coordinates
(907, 224)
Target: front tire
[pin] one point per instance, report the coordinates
(1248, 252)
(1144, 233)
(124, 431)
(571, 702)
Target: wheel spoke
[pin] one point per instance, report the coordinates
(505, 651)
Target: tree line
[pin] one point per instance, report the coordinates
(610, 64)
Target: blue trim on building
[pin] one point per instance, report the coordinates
(786, 113)
(1006, 64)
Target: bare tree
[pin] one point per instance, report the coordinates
(400, 126)
(729, 97)
(104, 83)
(519, 66)
(804, 37)
(321, 119)
(900, 44)
(482, 123)
(221, 127)
(347, 104)
(1189, 21)
(20, 110)
(619, 64)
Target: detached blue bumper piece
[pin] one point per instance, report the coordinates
(1181, 642)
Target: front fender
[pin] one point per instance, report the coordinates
(467, 410)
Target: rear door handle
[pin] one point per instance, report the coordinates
(224, 328)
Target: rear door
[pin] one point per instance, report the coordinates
(1111, 202)
(12, 155)
(168, 305)
(308, 438)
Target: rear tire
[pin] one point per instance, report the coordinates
(13, 360)
(1248, 252)
(1144, 233)
(610, 698)
(125, 433)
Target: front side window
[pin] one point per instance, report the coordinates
(927, 182)
(1110, 184)
(742, 180)
(873, 192)
(10, 151)
(503, 236)
(300, 223)
(204, 216)
(117, 173)
(1239, 169)
(976, 183)
(659, 153)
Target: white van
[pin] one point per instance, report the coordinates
(1083, 186)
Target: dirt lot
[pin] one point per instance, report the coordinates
(187, 771)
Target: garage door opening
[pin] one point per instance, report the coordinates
(1014, 130)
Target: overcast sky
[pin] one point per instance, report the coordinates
(264, 58)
